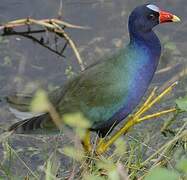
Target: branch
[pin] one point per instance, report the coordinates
(52, 25)
(43, 22)
(40, 42)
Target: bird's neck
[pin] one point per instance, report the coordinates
(146, 39)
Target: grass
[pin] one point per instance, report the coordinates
(131, 157)
(152, 150)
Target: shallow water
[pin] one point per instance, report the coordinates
(25, 64)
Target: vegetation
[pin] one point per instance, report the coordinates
(126, 160)
(151, 150)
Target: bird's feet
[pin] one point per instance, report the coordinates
(134, 119)
(138, 117)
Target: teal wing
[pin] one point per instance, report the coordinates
(97, 93)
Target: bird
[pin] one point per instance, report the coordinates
(108, 91)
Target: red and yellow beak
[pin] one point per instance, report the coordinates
(167, 17)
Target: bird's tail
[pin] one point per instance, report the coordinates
(36, 125)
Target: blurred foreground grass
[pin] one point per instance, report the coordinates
(127, 159)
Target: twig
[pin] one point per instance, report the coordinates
(43, 22)
(53, 25)
(25, 34)
(62, 33)
(164, 148)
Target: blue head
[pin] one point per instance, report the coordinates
(143, 18)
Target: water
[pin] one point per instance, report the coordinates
(26, 65)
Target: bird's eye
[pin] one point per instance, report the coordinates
(151, 17)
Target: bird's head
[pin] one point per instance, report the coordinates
(143, 18)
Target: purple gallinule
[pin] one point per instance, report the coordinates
(107, 92)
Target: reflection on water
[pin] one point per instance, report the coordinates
(25, 64)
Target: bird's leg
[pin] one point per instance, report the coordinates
(146, 106)
(136, 118)
(86, 142)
